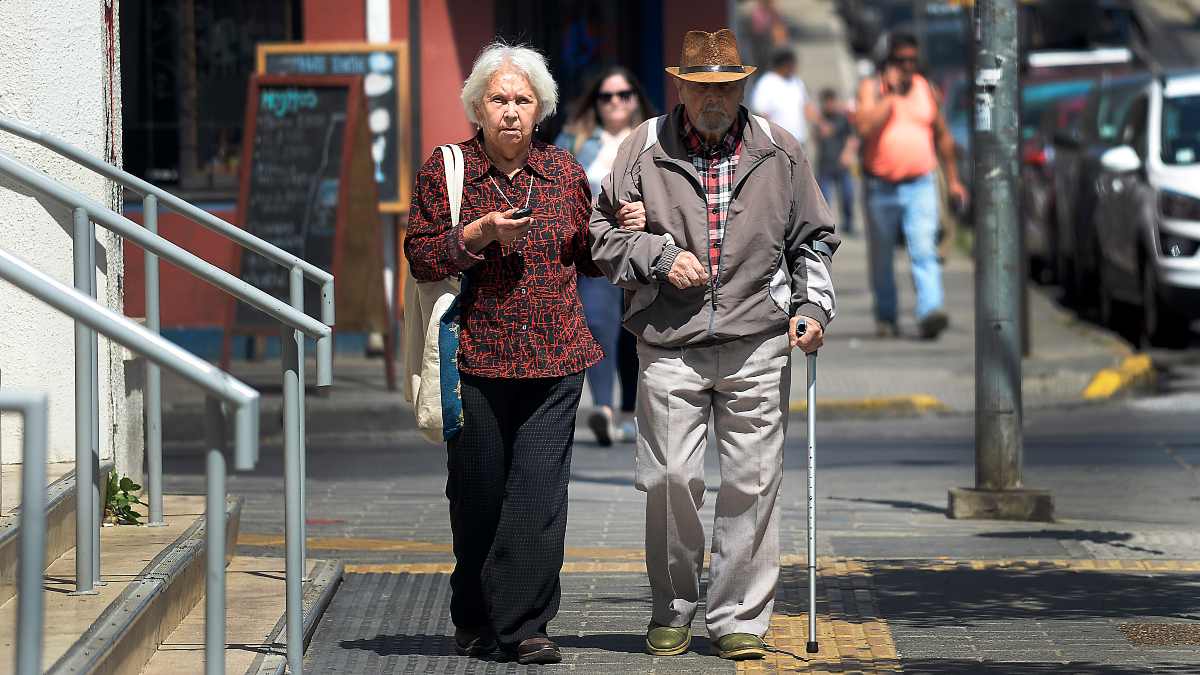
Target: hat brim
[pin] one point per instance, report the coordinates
(711, 78)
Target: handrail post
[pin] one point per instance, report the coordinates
(85, 581)
(325, 344)
(214, 527)
(293, 516)
(296, 297)
(93, 363)
(153, 375)
(30, 601)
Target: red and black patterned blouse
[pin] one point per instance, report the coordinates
(522, 317)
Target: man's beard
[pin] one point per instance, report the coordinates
(713, 121)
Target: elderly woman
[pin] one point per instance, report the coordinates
(523, 348)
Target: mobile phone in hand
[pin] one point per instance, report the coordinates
(521, 213)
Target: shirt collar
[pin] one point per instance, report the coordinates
(728, 145)
(478, 165)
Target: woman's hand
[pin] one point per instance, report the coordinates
(499, 226)
(631, 216)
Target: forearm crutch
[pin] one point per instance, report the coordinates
(812, 646)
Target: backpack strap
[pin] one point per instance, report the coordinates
(452, 159)
(653, 127)
(765, 126)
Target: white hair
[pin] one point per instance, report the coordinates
(528, 61)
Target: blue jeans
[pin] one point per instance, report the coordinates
(911, 205)
(843, 183)
(602, 307)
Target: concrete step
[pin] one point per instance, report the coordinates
(10, 482)
(154, 576)
(60, 519)
(255, 637)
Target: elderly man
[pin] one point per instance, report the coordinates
(713, 223)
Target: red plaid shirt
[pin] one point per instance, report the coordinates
(521, 313)
(716, 165)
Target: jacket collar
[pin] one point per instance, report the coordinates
(671, 144)
(477, 165)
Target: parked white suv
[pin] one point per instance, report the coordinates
(1148, 215)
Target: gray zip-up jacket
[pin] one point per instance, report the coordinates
(779, 237)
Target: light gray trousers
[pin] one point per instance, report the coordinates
(743, 387)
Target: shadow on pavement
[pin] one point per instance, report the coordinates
(959, 666)
(894, 503)
(1114, 539)
(443, 645)
(931, 598)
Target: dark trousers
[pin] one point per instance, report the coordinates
(507, 486)
(627, 366)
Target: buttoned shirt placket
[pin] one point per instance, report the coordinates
(716, 165)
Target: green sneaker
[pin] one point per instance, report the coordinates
(667, 640)
(739, 647)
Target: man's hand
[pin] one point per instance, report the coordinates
(958, 192)
(631, 216)
(813, 338)
(687, 272)
(498, 226)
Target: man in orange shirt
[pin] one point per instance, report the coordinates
(904, 135)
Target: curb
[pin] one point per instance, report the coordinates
(882, 406)
(1134, 372)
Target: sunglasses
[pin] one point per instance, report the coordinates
(625, 95)
(904, 60)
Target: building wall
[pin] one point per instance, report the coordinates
(57, 73)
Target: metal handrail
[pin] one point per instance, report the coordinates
(295, 324)
(277, 309)
(219, 386)
(30, 603)
(190, 211)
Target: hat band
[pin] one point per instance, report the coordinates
(688, 70)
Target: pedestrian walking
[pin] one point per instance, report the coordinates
(735, 253)
(837, 148)
(904, 135)
(600, 119)
(780, 96)
(524, 344)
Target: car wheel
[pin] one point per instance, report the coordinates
(1161, 327)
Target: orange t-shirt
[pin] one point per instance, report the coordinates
(903, 148)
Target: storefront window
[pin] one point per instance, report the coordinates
(184, 68)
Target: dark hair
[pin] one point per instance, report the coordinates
(783, 57)
(585, 116)
(898, 40)
(828, 94)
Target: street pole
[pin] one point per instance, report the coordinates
(998, 491)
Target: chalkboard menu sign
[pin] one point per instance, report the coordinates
(384, 72)
(307, 186)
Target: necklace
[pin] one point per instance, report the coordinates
(528, 193)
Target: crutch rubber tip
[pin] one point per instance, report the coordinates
(812, 648)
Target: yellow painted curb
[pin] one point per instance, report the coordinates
(913, 404)
(1133, 371)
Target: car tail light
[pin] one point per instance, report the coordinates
(1178, 206)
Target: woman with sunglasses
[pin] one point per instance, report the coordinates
(599, 120)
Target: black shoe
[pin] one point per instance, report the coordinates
(933, 324)
(601, 424)
(474, 643)
(538, 649)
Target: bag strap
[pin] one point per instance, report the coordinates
(452, 159)
(766, 127)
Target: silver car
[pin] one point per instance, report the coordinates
(1148, 215)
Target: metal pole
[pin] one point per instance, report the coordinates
(998, 436)
(30, 602)
(93, 362)
(812, 647)
(296, 293)
(293, 516)
(214, 526)
(85, 577)
(153, 375)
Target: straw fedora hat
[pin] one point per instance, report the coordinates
(710, 57)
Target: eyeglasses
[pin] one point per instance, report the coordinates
(625, 95)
